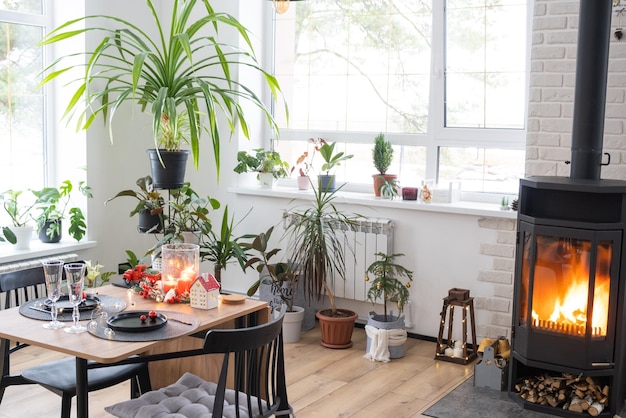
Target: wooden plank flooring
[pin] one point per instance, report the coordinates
(322, 383)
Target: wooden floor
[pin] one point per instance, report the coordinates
(321, 382)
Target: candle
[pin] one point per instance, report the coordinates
(183, 285)
(169, 284)
(130, 297)
(448, 352)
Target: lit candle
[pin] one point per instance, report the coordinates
(183, 285)
(169, 284)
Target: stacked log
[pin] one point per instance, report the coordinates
(569, 392)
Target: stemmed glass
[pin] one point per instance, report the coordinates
(53, 272)
(75, 275)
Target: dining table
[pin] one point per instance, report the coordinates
(103, 346)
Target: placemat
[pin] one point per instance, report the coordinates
(109, 304)
(172, 329)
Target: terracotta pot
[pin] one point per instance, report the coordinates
(379, 179)
(336, 331)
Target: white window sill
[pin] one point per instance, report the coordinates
(368, 199)
(8, 254)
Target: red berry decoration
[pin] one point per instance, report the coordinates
(143, 318)
(152, 314)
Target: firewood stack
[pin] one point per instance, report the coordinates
(572, 393)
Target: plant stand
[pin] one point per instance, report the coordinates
(397, 349)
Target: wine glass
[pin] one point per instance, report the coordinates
(75, 275)
(53, 272)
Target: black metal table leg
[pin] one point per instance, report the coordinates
(82, 393)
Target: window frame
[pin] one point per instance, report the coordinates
(437, 134)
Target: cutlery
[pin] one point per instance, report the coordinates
(39, 309)
(36, 308)
(180, 320)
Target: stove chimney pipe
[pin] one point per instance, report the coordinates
(592, 62)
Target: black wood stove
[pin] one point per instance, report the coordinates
(569, 313)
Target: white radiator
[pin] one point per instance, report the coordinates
(370, 236)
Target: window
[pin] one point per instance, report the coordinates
(444, 80)
(31, 156)
(22, 108)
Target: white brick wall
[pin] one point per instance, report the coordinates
(550, 110)
(551, 95)
(499, 304)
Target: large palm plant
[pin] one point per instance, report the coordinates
(185, 71)
(317, 244)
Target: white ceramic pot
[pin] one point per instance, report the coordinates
(23, 234)
(267, 180)
(292, 325)
(191, 237)
(303, 182)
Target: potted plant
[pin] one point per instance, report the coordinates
(331, 161)
(388, 286)
(179, 74)
(382, 155)
(188, 217)
(53, 203)
(283, 280)
(318, 248)
(389, 189)
(221, 249)
(267, 164)
(304, 164)
(20, 232)
(149, 207)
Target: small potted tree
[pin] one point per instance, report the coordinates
(267, 164)
(382, 155)
(283, 281)
(53, 203)
(388, 286)
(149, 207)
(332, 160)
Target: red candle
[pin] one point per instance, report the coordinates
(183, 285)
(169, 284)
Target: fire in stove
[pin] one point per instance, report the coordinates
(560, 299)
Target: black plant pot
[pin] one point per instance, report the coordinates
(170, 173)
(149, 223)
(43, 237)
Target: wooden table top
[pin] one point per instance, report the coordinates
(14, 326)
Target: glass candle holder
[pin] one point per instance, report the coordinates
(409, 193)
(180, 266)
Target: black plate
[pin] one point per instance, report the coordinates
(91, 302)
(130, 321)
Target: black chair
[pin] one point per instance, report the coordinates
(251, 381)
(57, 376)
